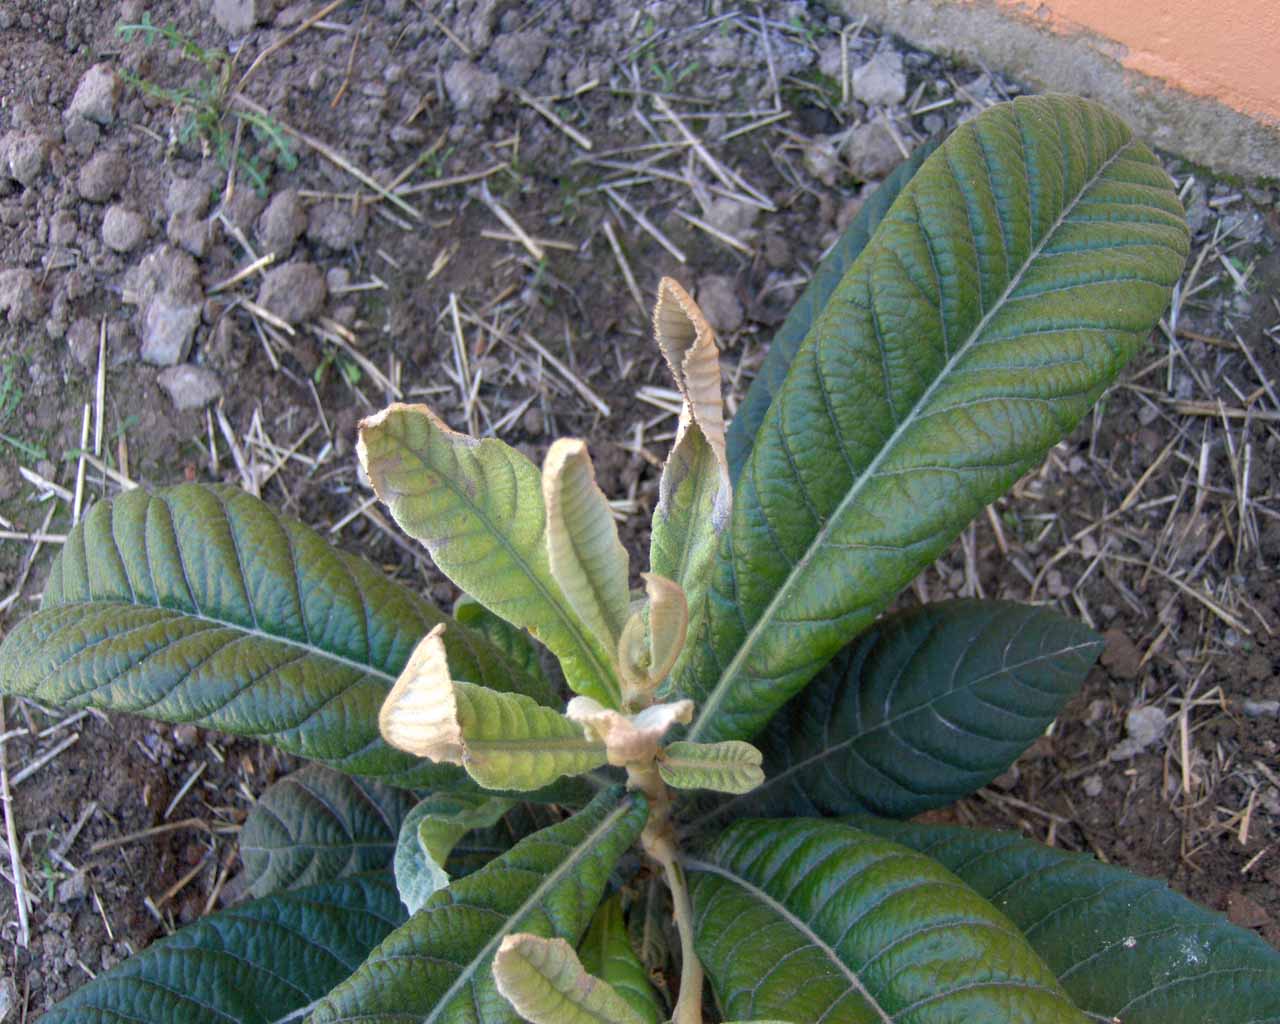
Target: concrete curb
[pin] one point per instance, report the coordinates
(1202, 130)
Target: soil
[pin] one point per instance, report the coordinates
(1157, 521)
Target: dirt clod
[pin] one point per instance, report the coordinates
(190, 387)
(337, 226)
(96, 95)
(881, 81)
(123, 229)
(282, 223)
(103, 176)
(871, 152)
(472, 90)
(294, 292)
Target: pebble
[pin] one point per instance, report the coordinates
(123, 229)
(1092, 786)
(236, 17)
(282, 223)
(294, 292)
(337, 226)
(168, 327)
(82, 340)
(472, 90)
(63, 228)
(19, 297)
(103, 176)
(1143, 727)
(23, 156)
(96, 96)
(190, 387)
(519, 54)
(720, 303)
(881, 81)
(871, 152)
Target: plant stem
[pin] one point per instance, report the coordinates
(659, 842)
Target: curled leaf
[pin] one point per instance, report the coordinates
(628, 738)
(546, 983)
(587, 559)
(428, 835)
(652, 639)
(503, 740)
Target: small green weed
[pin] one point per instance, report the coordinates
(210, 116)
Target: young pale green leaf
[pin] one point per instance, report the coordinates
(503, 740)
(1016, 273)
(315, 825)
(730, 766)
(200, 604)
(786, 342)
(606, 952)
(682, 546)
(516, 645)
(587, 559)
(652, 639)
(263, 962)
(436, 969)
(812, 920)
(478, 508)
(545, 982)
(428, 835)
(924, 708)
(1124, 947)
(628, 739)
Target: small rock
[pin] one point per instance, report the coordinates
(103, 176)
(337, 278)
(337, 226)
(192, 233)
(82, 340)
(871, 152)
(71, 889)
(187, 195)
(190, 387)
(519, 54)
(235, 17)
(186, 735)
(1092, 786)
(123, 229)
(96, 95)
(294, 292)
(23, 156)
(19, 297)
(164, 269)
(1145, 725)
(822, 160)
(733, 217)
(63, 228)
(881, 81)
(719, 302)
(1260, 708)
(168, 326)
(282, 223)
(1121, 655)
(472, 90)
(8, 998)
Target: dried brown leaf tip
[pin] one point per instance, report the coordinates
(420, 714)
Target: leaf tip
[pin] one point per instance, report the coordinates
(420, 714)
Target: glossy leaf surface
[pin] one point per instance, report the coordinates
(1124, 947)
(200, 604)
(1016, 273)
(262, 962)
(607, 953)
(315, 825)
(436, 968)
(925, 707)
(786, 340)
(478, 508)
(808, 920)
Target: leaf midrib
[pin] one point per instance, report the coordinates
(604, 673)
(692, 864)
(727, 677)
(571, 861)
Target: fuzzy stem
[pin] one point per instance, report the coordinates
(659, 842)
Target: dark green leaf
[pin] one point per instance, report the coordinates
(316, 825)
(807, 920)
(606, 953)
(927, 706)
(786, 341)
(200, 604)
(478, 848)
(515, 643)
(1014, 276)
(1125, 947)
(263, 962)
(436, 968)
